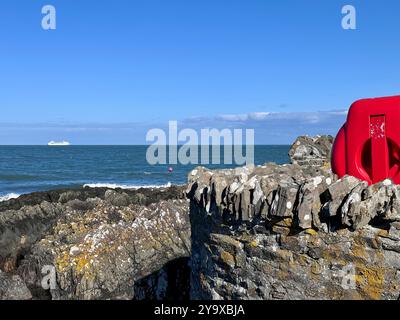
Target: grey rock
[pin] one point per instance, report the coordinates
(69, 196)
(310, 204)
(101, 253)
(117, 199)
(284, 200)
(311, 151)
(12, 287)
(100, 247)
(351, 212)
(20, 229)
(337, 192)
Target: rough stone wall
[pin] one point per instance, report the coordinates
(293, 232)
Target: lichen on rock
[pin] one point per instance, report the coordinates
(306, 235)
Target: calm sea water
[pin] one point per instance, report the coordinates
(25, 169)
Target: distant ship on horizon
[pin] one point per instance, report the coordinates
(59, 143)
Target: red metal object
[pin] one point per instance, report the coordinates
(367, 146)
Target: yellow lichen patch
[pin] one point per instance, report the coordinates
(311, 232)
(382, 233)
(287, 222)
(370, 281)
(81, 263)
(63, 262)
(228, 259)
(253, 244)
(327, 165)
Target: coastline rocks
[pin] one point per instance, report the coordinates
(117, 199)
(99, 247)
(99, 254)
(20, 229)
(29, 218)
(144, 196)
(313, 151)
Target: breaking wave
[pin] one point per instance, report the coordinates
(124, 186)
(9, 196)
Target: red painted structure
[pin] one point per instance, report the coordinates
(368, 145)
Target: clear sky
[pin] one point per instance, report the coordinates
(114, 68)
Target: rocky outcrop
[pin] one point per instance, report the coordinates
(293, 232)
(29, 218)
(143, 196)
(314, 151)
(99, 247)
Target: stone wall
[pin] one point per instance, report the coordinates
(293, 232)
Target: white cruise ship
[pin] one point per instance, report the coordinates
(59, 143)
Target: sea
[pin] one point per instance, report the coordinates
(26, 169)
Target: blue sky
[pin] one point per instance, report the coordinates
(113, 69)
